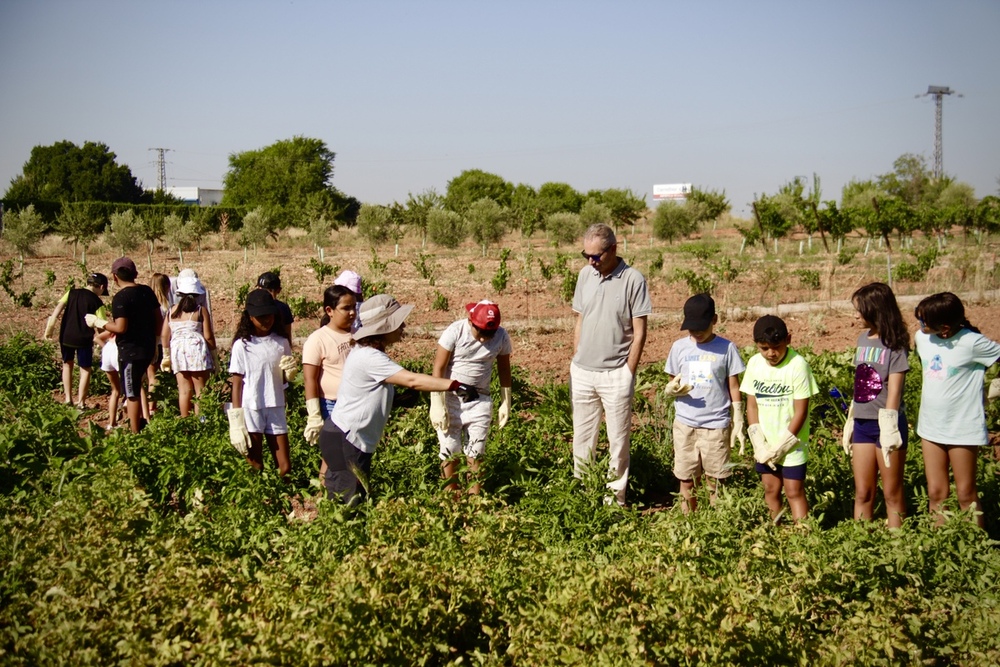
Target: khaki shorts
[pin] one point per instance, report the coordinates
(700, 450)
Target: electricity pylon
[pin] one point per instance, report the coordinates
(938, 93)
(161, 163)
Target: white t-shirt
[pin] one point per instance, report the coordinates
(707, 367)
(328, 350)
(257, 361)
(472, 360)
(364, 399)
(951, 396)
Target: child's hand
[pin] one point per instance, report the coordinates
(677, 387)
(888, 436)
(845, 440)
(288, 365)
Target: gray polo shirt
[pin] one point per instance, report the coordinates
(607, 306)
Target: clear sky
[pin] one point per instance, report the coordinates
(741, 96)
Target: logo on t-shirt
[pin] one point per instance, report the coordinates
(770, 390)
(935, 370)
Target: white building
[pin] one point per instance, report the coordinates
(195, 195)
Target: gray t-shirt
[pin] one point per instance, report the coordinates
(472, 360)
(707, 368)
(363, 398)
(873, 364)
(607, 306)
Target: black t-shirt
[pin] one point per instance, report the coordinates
(284, 313)
(73, 331)
(139, 306)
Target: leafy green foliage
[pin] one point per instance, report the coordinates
(23, 229)
(440, 302)
(257, 227)
(809, 278)
(697, 283)
(322, 270)
(7, 278)
(124, 231)
(424, 264)
(487, 221)
(473, 185)
(502, 276)
(377, 224)
(67, 172)
(672, 221)
(564, 228)
(106, 542)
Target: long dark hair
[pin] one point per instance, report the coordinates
(331, 299)
(186, 303)
(877, 304)
(943, 309)
(245, 328)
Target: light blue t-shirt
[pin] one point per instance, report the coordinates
(707, 368)
(951, 396)
(364, 398)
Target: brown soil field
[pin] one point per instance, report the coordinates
(539, 320)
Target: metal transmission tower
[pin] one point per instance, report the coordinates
(938, 92)
(161, 163)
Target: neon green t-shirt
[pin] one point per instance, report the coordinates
(776, 389)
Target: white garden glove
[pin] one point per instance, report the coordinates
(761, 450)
(845, 440)
(677, 387)
(503, 413)
(239, 437)
(439, 411)
(738, 424)
(165, 364)
(288, 365)
(314, 422)
(888, 433)
(94, 321)
(50, 327)
(789, 441)
(994, 391)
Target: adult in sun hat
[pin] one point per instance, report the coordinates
(136, 321)
(76, 338)
(204, 296)
(352, 281)
(466, 352)
(364, 398)
(611, 302)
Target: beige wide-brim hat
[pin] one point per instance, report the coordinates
(380, 315)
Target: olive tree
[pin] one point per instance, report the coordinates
(446, 228)
(23, 229)
(124, 231)
(177, 234)
(487, 221)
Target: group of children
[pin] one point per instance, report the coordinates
(778, 386)
(349, 384)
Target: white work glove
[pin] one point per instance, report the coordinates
(994, 391)
(789, 441)
(738, 424)
(239, 437)
(314, 422)
(439, 411)
(677, 387)
(761, 450)
(94, 321)
(288, 365)
(889, 436)
(845, 440)
(165, 364)
(50, 326)
(503, 413)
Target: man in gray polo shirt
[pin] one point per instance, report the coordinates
(611, 302)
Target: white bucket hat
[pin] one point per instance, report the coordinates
(381, 314)
(189, 285)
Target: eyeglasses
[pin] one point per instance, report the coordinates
(597, 257)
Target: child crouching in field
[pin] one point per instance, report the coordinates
(778, 383)
(705, 384)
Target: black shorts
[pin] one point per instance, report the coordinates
(133, 372)
(347, 467)
(84, 355)
(784, 472)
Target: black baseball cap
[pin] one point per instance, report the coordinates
(269, 280)
(699, 311)
(98, 280)
(260, 303)
(770, 329)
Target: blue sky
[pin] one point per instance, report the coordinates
(741, 96)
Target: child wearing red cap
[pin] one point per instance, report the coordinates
(466, 352)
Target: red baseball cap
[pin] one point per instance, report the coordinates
(485, 315)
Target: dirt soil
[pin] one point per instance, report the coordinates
(539, 321)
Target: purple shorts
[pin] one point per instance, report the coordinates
(784, 472)
(866, 431)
